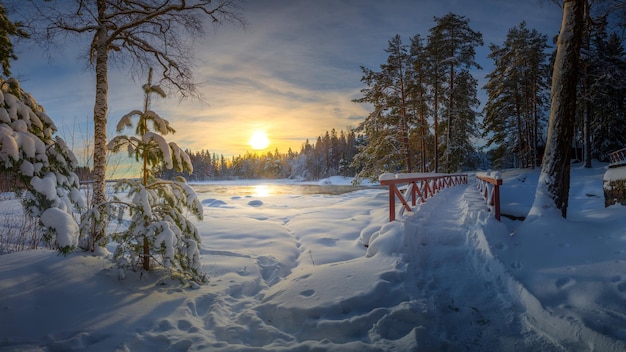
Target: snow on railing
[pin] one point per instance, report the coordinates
(489, 186)
(618, 158)
(420, 186)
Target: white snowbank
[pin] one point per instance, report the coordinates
(293, 273)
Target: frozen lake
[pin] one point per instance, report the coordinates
(263, 188)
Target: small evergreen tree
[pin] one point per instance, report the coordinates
(158, 227)
(42, 164)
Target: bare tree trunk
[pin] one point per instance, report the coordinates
(404, 126)
(100, 131)
(450, 112)
(535, 153)
(586, 87)
(586, 123)
(554, 180)
(144, 171)
(436, 128)
(423, 139)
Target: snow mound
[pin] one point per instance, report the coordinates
(215, 203)
(295, 275)
(255, 203)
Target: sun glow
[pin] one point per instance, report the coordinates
(259, 140)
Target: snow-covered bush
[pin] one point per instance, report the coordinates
(41, 163)
(158, 227)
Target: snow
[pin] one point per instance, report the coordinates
(163, 146)
(167, 238)
(125, 121)
(63, 225)
(46, 185)
(400, 176)
(293, 272)
(615, 174)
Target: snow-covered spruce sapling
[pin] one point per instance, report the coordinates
(158, 227)
(41, 163)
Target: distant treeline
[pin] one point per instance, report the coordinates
(330, 155)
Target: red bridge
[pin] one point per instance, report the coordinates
(421, 186)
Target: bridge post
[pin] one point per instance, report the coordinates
(484, 181)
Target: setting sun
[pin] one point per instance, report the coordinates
(259, 140)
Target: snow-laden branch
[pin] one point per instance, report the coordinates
(164, 148)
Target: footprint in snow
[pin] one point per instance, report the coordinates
(517, 265)
(307, 293)
(270, 269)
(564, 282)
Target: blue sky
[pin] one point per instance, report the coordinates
(292, 71)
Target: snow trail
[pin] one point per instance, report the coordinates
(466, 292)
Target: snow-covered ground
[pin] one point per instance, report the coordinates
(292, 272)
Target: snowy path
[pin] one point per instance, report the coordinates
(465, 292)
(474, 295)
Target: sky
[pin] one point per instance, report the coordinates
(291, 72)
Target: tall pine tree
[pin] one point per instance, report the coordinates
(452, 50)
(387, 127)
(517, 95)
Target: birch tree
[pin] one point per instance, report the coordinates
(139, 34)
(553, 185)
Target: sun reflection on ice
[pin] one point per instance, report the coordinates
(262, 190)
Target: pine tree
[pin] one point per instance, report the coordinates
(517, 94)
(451, 50)
(603, 92)
(387, 128)
(419, 99)
(158, 226)
(464, 128)
(8, 29)
(42, 164)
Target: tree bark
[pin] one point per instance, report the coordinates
(586, 122)
(436, 127)
(100, 127)
(554, 180)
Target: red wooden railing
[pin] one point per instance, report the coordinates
(419, 188)
(489, 186)
(618, 157)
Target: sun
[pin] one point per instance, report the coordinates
(259, 140)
